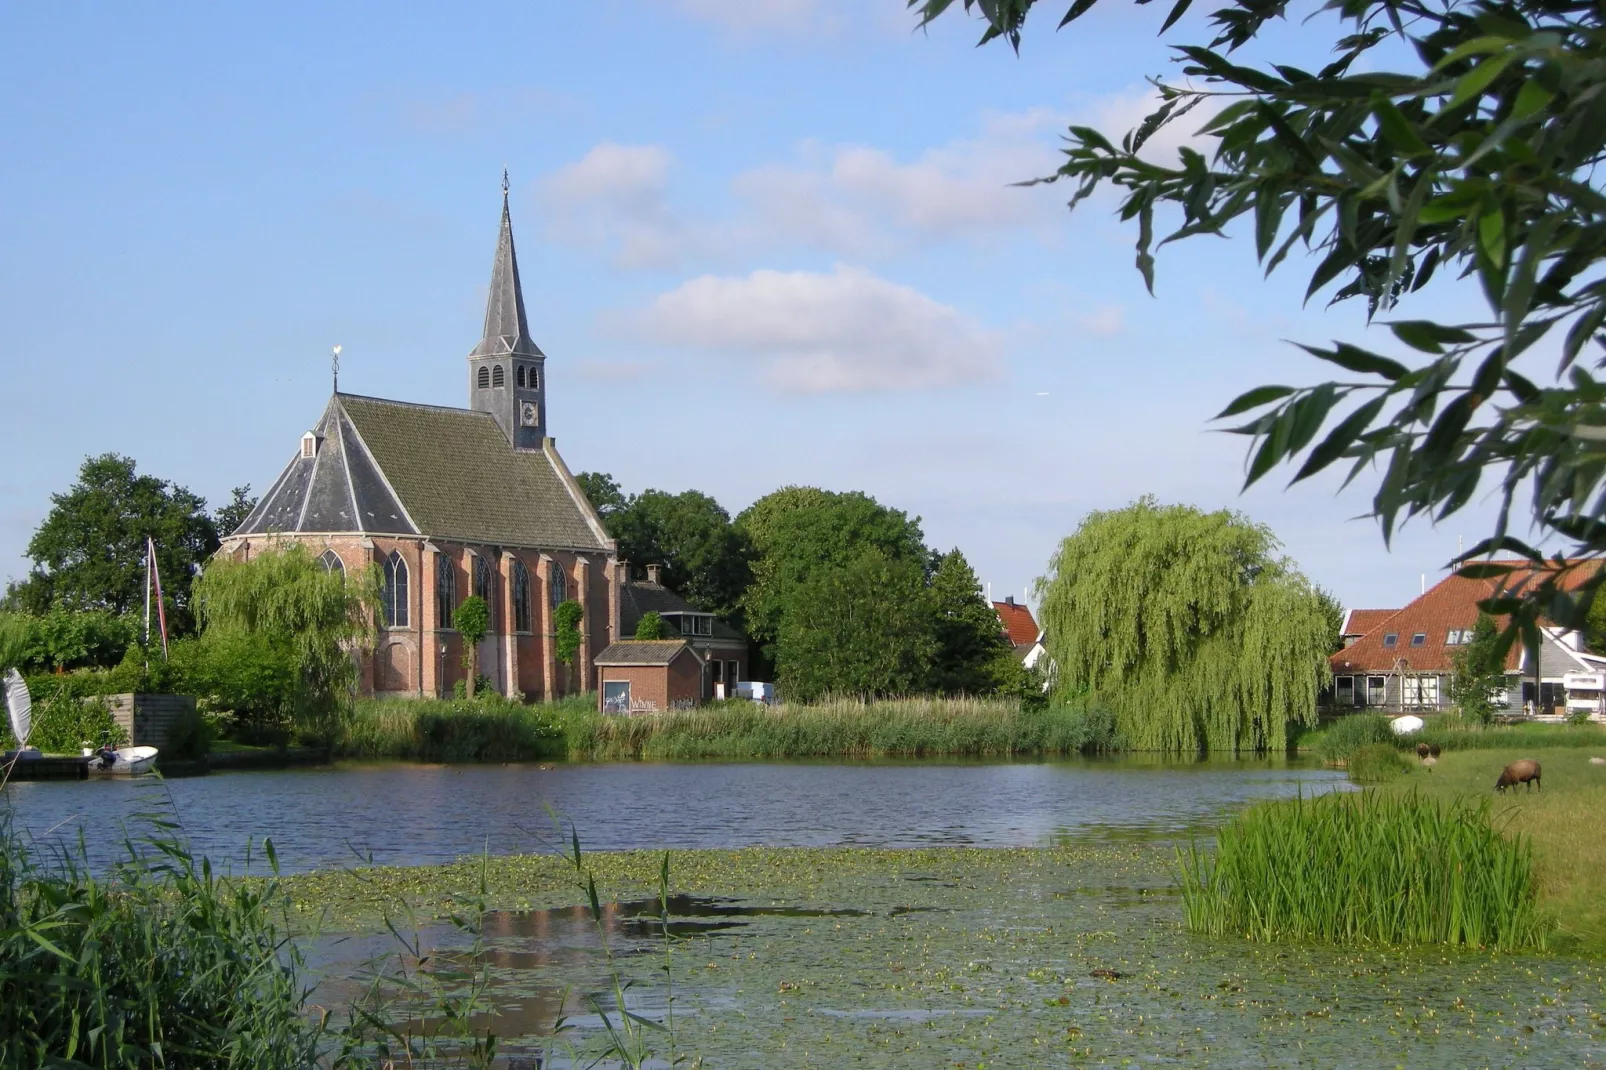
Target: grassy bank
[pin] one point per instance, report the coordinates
(454, 730)
(1562, 821)
(846, 728)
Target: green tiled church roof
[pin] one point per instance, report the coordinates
(458, 478)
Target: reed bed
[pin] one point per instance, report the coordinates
(844, 728)
(1453, 734)
(489, 728)
(1369, 868)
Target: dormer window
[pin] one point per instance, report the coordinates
(309, 446)
(696, 624)
(498, 376)
(484, 378)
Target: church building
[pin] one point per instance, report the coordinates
(449, 502)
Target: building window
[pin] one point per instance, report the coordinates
(394, 594)
(1391, 639)
(1377, 690)
(1454, 638)
(309, 445)
(557, 585)
(1419, 638)
(484, 379)
(498, 376)
(535, 379)
(485, 587)
(616, 696)
(1421, 691)
(331, 562)
(521, 597)
(445, 592)
(1343, 690)
(732, 675)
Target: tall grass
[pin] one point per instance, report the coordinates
(1370, 868)
(843, 728)
(156, 963)
(1350, 733)
(1451, 733)
(488, 728)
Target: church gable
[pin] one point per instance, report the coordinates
(330, 486)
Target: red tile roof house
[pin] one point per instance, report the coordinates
(1402, 660)
(1017, 622)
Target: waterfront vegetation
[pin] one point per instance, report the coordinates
(845, 728)
(488, 728)
(1391, 870)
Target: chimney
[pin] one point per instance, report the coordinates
(624, 571)
(1009, 600)
(652, 574)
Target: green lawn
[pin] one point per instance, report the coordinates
(1565, 820)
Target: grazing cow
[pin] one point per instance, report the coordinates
(1523, 772)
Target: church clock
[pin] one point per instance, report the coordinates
(529, 415)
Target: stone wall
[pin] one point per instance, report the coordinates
(150, 720)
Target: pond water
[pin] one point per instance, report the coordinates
(396, 814)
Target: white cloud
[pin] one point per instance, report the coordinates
(616, 195)
(821, 333)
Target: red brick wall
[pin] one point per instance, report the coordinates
(648, 684)
(408, 660)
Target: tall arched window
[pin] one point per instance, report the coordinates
(394, 595)
(445, 592)
(498, 376)
(519, 375)
(521, 597)
(484, 379)
(558, 585)
(534, 379)
(331, 562)
(485, 586)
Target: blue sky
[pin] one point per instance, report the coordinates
(762, 242)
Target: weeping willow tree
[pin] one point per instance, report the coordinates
(1188, 625)
(285, 602)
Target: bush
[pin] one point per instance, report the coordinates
(1370, 869)
(1376, 763)
(63, 723)
(651, 626)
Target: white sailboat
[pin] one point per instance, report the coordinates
(19, 707)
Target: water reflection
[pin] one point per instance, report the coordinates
(396, 814)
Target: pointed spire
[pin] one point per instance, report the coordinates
(506, 331)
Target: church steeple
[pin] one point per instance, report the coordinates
(506, 371)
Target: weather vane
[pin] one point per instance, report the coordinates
(504, 181)
(334, 366)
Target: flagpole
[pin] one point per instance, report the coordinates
(145, 635)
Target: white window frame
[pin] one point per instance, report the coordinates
(612, 705)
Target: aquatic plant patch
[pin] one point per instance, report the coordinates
(1384, 869)
(1001, 958)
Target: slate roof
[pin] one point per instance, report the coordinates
(1450, 604)
(507, 332)
(637, 599)
(1018, 623)
(642, 652)
(393, 467)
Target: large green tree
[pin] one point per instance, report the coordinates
(1188, 625)
(704, 557)
(796, 531)
(1446, 143)
(301, 613)
(229, 516)
(863, 626)
(969, 638)
(90, 551)
(1480, 672)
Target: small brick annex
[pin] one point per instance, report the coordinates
(649, 676)
(448, 502)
